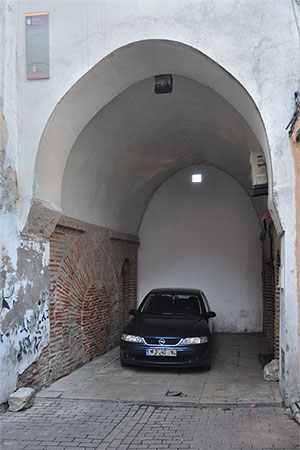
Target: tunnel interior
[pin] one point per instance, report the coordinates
(140, 139)
(131, 219)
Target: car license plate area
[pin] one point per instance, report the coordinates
(161, 352)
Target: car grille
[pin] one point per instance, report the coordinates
(162, 359)
(155, 341)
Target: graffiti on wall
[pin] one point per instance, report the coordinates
(24, 309)
(6, 299)
(29, 334)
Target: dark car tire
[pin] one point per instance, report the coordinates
(124, 364)
(207, 366)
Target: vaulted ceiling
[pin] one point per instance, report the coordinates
(111, 141)
(140, 139)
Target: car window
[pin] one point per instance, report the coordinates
(170, 304)
(205, 302)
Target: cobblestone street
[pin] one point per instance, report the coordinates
(109, 425)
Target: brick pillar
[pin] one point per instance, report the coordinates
(277, 308)
(269, 311)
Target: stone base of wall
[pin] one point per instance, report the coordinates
(92, 288)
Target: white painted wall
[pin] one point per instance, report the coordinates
(205, 236)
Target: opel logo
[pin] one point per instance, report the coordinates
(161, 341)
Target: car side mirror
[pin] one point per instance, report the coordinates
(132, 312)
(210, 315)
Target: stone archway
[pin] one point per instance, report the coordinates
(79, 153)
(63, 128)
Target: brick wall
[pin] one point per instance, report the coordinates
(268, 298)
(271, 290)
(276, 333)
(92, 287)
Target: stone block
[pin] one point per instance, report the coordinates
(23, 398)
(271, 371)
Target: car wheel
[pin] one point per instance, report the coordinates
(207, 366)
(124, 364)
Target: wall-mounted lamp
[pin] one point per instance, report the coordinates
(163, 84)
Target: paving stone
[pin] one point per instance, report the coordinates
(34, 447)
(71, 448)
(60, 447)
(173, 427)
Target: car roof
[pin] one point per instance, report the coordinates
(187, 291)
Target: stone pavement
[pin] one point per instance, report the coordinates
(236, 377)
(110, 425)
(106, 407)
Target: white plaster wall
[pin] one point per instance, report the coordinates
(24, 295)
(254, 41)
(205, 236)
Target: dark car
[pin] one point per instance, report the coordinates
(171, 327)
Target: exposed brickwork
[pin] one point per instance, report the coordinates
(268, 297)
(277, 307)
(92, 287)
(271, 289)
(95, 321)
(127, 286)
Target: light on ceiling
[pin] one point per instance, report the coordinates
(197, 178)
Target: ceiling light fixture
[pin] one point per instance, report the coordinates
(197, 178)
(163, 84)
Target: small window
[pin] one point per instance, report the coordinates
(197, 178)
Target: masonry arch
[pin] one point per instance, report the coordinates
(111, 142)
(103, 90)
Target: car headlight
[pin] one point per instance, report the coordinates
(195, 340)
(131, 338)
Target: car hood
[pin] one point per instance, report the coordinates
(170, 326)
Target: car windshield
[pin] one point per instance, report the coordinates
(172, 304)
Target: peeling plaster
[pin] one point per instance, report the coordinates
(42, 220)
(11, 177)
(24, 279)
(24, 313)
(3, 131)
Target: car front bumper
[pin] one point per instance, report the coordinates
(196, 355)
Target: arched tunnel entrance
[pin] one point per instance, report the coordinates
(114, 168)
